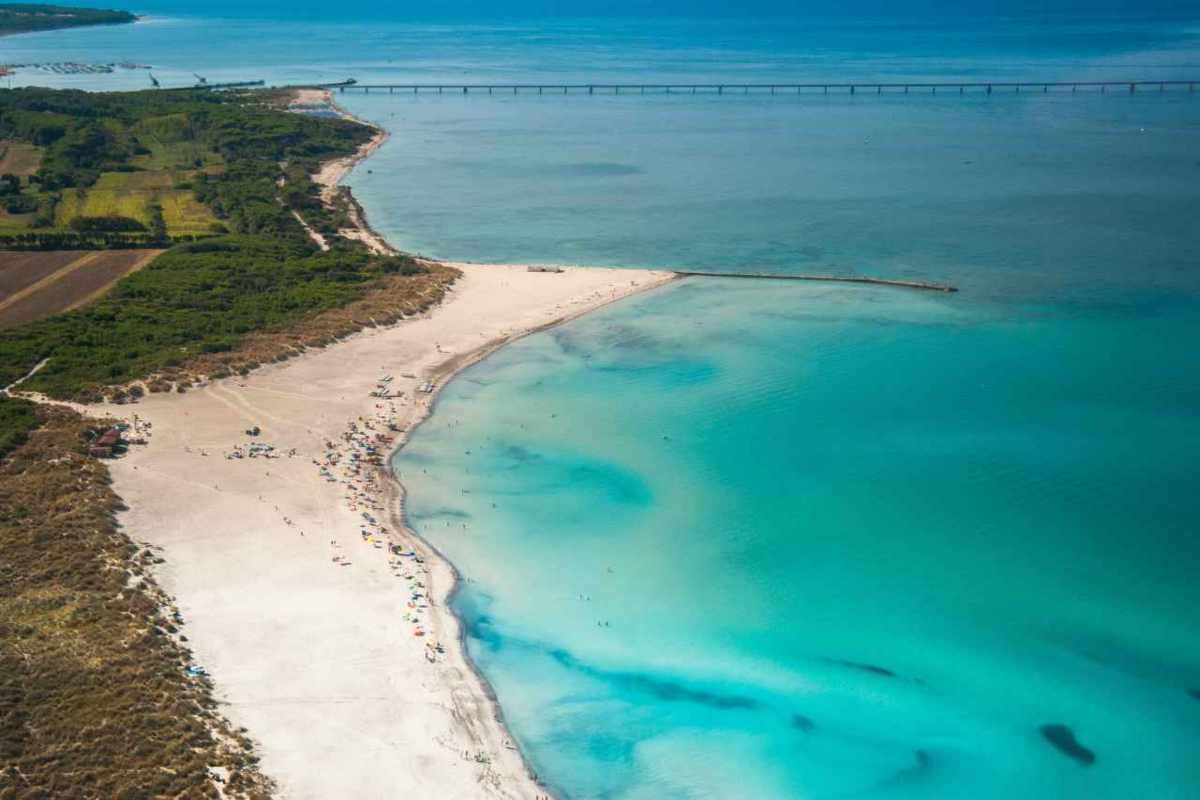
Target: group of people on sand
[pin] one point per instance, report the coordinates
(356, 462)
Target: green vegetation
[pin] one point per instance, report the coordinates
(136, 195)
(27, 17)
(17, 419)
(18, 160)
(95, 697)
(207, 162)
(195, 299)
(130, 170)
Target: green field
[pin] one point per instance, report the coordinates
(113, 195)
(135, 181)
(22, 160)
(129, 194)
(142, 165)
(173, 145)
(69, 206)
(185, 215)
(15, 223)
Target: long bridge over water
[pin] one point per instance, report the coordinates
(854, 88)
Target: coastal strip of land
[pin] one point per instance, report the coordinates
(252, 381)
(31, 17)
(320, 617)
(334, 171)
(259, 478)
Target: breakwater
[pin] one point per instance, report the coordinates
(931, 286)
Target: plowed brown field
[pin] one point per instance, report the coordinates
(36, 285)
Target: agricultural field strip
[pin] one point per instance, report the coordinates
(18, 158)
(83, 281)
(146, 256)
(57, 275)
(129, 194)
(18, 270)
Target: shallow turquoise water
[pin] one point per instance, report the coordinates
(731, 539)
(765, 510)
(755, 540)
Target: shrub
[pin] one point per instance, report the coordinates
(113, 223)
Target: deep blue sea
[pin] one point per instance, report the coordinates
(737, 539)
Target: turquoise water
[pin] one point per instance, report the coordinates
(755, 540)
(770, 495)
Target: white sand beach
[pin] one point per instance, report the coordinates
(291, 599)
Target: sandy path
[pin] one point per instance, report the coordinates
(316, 657)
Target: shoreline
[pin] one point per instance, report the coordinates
(321, 659)
(333, 172)
(348, 684)
(396, 494)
